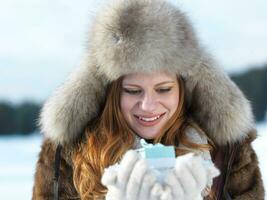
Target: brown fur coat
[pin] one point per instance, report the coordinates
(244, 181)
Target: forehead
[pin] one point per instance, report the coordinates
(149, 78)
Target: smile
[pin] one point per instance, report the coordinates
(149, 121)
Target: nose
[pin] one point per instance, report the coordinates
(148, 103)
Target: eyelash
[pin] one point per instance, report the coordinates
(163, 90)
(131, 91)
(135, 92)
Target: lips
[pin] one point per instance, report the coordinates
(149, 120)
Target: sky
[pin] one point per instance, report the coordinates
(41, 42)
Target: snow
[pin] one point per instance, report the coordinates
(18, 156)
(260, 146)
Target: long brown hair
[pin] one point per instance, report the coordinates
(110, 137)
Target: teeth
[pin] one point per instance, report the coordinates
(149, 119)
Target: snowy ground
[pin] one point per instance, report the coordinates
(260, 146)
(18, 156)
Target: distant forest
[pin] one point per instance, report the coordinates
(254, 85)
(23, 118)
(18, 119)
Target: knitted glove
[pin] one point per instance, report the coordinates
(131, 180)
(189, 178)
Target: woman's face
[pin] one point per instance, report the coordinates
(148, 101)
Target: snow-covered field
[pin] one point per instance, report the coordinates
(19, 154)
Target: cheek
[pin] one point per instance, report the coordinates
(172, 102)
(127, 103)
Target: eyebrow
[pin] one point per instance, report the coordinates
(161, 83)
(164, 82)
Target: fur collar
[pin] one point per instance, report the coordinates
(146, 35)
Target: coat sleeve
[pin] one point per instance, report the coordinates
(245, 180)
(44, 174)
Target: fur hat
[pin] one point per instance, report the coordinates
(146, 35)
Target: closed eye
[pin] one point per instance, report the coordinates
(131, 91)
(163, 90)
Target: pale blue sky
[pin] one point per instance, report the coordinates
(41, 41)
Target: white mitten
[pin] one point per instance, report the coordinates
(189, 178)
(131, 179)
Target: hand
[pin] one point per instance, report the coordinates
(189, 178)
(131, 180)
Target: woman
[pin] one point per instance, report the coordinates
(147, 76)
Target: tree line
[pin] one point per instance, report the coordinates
(253, 83)
(18, 119)
(23, 118)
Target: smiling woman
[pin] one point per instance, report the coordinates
(148, 101)
(146, 77)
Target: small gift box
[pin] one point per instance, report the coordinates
(158, 155)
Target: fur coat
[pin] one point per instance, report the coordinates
(130, 36)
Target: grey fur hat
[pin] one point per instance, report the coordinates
(146, 35)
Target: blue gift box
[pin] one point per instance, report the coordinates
(158, 155)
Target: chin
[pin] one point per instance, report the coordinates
(148, 136)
